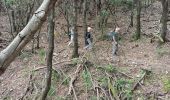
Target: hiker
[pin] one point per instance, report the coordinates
(71, 35)
(88, 38)
(114, 38)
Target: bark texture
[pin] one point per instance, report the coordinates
(75, 49)
(25, 36)
(164, 19)
(51, 25)
(138, 26)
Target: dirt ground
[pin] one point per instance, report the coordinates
(132, 57)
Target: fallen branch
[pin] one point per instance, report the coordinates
(73, 78)
(62, 62)
(56, 54)
(124, 74)
(29, 88)
(146, 72)
(44, 66)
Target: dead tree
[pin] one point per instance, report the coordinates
(13, 49)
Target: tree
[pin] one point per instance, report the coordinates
(85, 19)
(51, 25)
(164, 19)
(75, 49)
(138, 27)
(13, 49)
(132, 13)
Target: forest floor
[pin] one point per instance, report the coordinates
(24, 78)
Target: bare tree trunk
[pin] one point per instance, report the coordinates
(12, 35)
(13, 26)
(98, 5)
(164, 19)
(38, 39)
(25, 36)
(30, 10)
(75, 49)
(85, 19)
(33, 48)
(51, 25)
(138, 27)
(131, 15)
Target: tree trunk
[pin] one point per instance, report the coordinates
(38, 39)
(13, 26)
(98, 5)
(9, 18)
(51, 25)
(138, 27)
(75, 49)
(25, 36)
(131, 15)
(85, 19)
(164, 19)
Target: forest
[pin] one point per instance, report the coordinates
(84, 49)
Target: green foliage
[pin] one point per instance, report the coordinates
(41, 54)
(116, 2)
(127, 3)
(7, 98)
(103, 81)
(112, 88)
(166, 84)
(104, 13)
(93, 98)
(104, 37)
(162, 51)
(52, 91)
(124, 86)
(66, 80)
(110, 68)
(9, 2)
(87, 78)
(75, 61)
(55, 76)
(25, 55)
(135, 37)
(60, 98)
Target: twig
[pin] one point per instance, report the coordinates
(125, 74)
(56, 54)
(28, 87)
(110, 95)
(40, 68)
(74, 92)
(137, 83)
(97, 93)
(73, 78)
(44, 66)
(63, 62)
